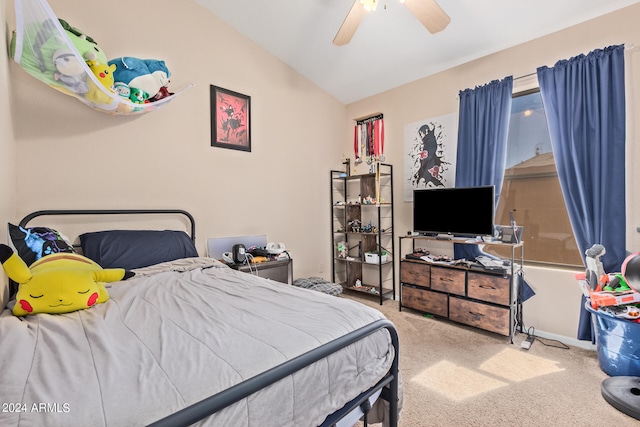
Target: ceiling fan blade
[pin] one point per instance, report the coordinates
(350, 24)
(429, 14)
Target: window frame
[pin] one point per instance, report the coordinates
(529, 262)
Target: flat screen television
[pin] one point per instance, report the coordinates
(459, 211)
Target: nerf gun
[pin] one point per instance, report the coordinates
(609, 289)
(595, 276)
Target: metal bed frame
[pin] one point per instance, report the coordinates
(24, 221)
(389, 384)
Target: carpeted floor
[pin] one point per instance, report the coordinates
(455, 375)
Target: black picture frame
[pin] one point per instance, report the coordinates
(230, 119)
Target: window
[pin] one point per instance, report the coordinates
(531, 187)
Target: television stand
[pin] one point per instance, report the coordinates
(487, 299)
(444, 237)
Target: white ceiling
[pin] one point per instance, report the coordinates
(390, 47)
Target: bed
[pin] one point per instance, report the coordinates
(189, 341)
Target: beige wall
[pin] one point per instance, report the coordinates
(70, 156)
(555, 308)
(7, 151)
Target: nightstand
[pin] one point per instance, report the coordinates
(280, 270)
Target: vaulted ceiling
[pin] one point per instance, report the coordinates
(390, 46)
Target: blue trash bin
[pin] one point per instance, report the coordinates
(617, 342)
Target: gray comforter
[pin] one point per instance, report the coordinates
(167, 339)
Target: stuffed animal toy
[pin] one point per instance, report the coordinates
(40, 59)
(70, 72)
(138, 96)
(124, 92)
(122, 89)
(148, 75)
(104, 74)
(84, 44)
(163, 93)
(58, 283)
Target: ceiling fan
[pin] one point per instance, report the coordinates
(427, 11)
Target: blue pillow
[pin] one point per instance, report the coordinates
(130, 249)
(35, 242)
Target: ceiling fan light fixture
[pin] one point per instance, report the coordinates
(430, 15)
(369, 5)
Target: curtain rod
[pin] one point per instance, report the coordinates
(369, 119)
(525, 76)
(627, 46)
(515, 78)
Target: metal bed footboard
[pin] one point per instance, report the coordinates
(212, 404)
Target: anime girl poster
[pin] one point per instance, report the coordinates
(430, 153)
(230, 119)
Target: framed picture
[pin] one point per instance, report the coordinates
(230, 119)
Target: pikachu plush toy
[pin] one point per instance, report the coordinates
(58, 283)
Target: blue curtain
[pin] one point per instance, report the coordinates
(584, 101)
(483, 127)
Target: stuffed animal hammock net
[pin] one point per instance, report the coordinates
(61, 56)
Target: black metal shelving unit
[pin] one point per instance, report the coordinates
(364, 226)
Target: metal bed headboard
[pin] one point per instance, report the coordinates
(67, 212)
(13, 287)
